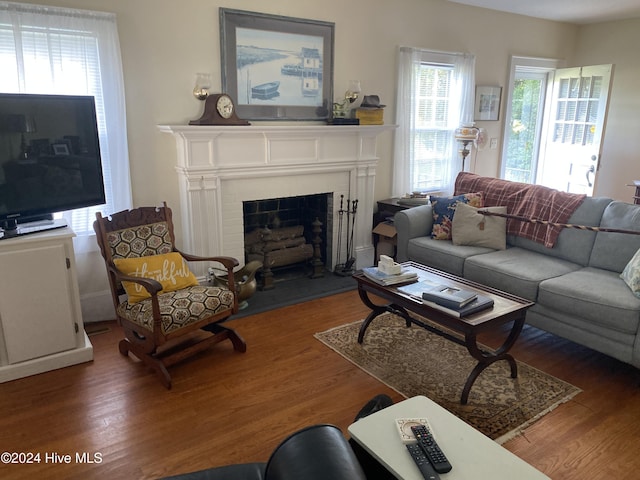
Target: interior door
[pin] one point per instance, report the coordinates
(570, 157)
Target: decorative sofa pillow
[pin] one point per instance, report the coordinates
(471, 227)
(443, 209)
(170, 269)
(631, 274)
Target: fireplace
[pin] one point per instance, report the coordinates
(287, 232)
(221, 168)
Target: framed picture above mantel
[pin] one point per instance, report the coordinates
(275, 67)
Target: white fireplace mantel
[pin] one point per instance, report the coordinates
(219, 167)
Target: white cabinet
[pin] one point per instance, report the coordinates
(41, 326)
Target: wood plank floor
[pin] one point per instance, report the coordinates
(226, 407)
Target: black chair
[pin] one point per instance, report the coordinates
(318, 452)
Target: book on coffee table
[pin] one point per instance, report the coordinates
(375, 274)
(481, 302)
(417, 291)
(449, 297)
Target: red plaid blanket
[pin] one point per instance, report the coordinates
(524, 200)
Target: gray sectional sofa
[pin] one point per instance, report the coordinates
(576, 285)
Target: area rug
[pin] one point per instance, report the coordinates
(413, 361)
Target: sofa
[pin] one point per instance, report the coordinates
(574, 279)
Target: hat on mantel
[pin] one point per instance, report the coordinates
(371, 101)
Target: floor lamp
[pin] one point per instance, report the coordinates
(465, 135)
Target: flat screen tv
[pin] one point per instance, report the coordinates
(49, 160)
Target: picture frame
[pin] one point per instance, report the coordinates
(487, 104)
(275, 67)
(60, 149)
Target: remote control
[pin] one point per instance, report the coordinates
(431, 449)
(422, 462)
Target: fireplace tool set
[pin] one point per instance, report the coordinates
(346, 268)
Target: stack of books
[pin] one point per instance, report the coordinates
(454, 301)
(387, 279)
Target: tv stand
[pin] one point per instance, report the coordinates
(38, 336)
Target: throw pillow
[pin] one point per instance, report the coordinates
(443, 209)
(170, 269)
(471, 227)
(631, 274)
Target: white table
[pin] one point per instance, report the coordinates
(471, 453)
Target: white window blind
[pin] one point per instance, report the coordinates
(50, 50)
(432, 121)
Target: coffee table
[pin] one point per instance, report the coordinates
(464, 331)
(472, 454)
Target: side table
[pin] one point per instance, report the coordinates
(386, 209)
(472, 454)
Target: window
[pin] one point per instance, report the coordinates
(431, 134)
(51, 50)
(528, 87)
(435, 95)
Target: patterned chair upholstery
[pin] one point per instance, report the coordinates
(164, 315)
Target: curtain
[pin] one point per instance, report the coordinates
(460, 110)
(51, 50)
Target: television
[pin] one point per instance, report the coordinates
(49, 160)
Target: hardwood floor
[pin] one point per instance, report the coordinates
(226, 407)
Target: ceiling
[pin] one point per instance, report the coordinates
(571, 11)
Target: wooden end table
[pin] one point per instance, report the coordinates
(507, 308)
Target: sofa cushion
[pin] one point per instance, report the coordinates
(572, 244)
(631, 274)
(471, 227)
(594, 295)
(612, 251)
(444, 209)
(442, 254)
(515, 270)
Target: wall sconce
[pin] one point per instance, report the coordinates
(203, 85)
(465, 135)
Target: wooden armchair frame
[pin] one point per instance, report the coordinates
(155, 346)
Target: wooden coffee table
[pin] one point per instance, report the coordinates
(507, 308)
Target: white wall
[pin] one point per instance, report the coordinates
(165, 42)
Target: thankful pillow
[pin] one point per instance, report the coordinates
(471, 227)
(443, 209)
(631, 274)
(170, 269)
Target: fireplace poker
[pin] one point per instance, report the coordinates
(340, 216)
(350, 258)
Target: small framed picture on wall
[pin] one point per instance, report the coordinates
(487, 106)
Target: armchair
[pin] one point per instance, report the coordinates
(165, 314)
(318, 452)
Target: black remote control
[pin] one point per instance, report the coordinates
(431, 449)
(422, 462)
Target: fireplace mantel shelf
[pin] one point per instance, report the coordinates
(321, 129)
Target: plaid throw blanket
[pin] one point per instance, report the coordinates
(524, 200)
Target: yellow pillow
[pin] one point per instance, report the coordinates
(170, 269)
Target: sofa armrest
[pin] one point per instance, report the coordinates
(411, 223)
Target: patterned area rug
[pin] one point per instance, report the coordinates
(413, 361)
